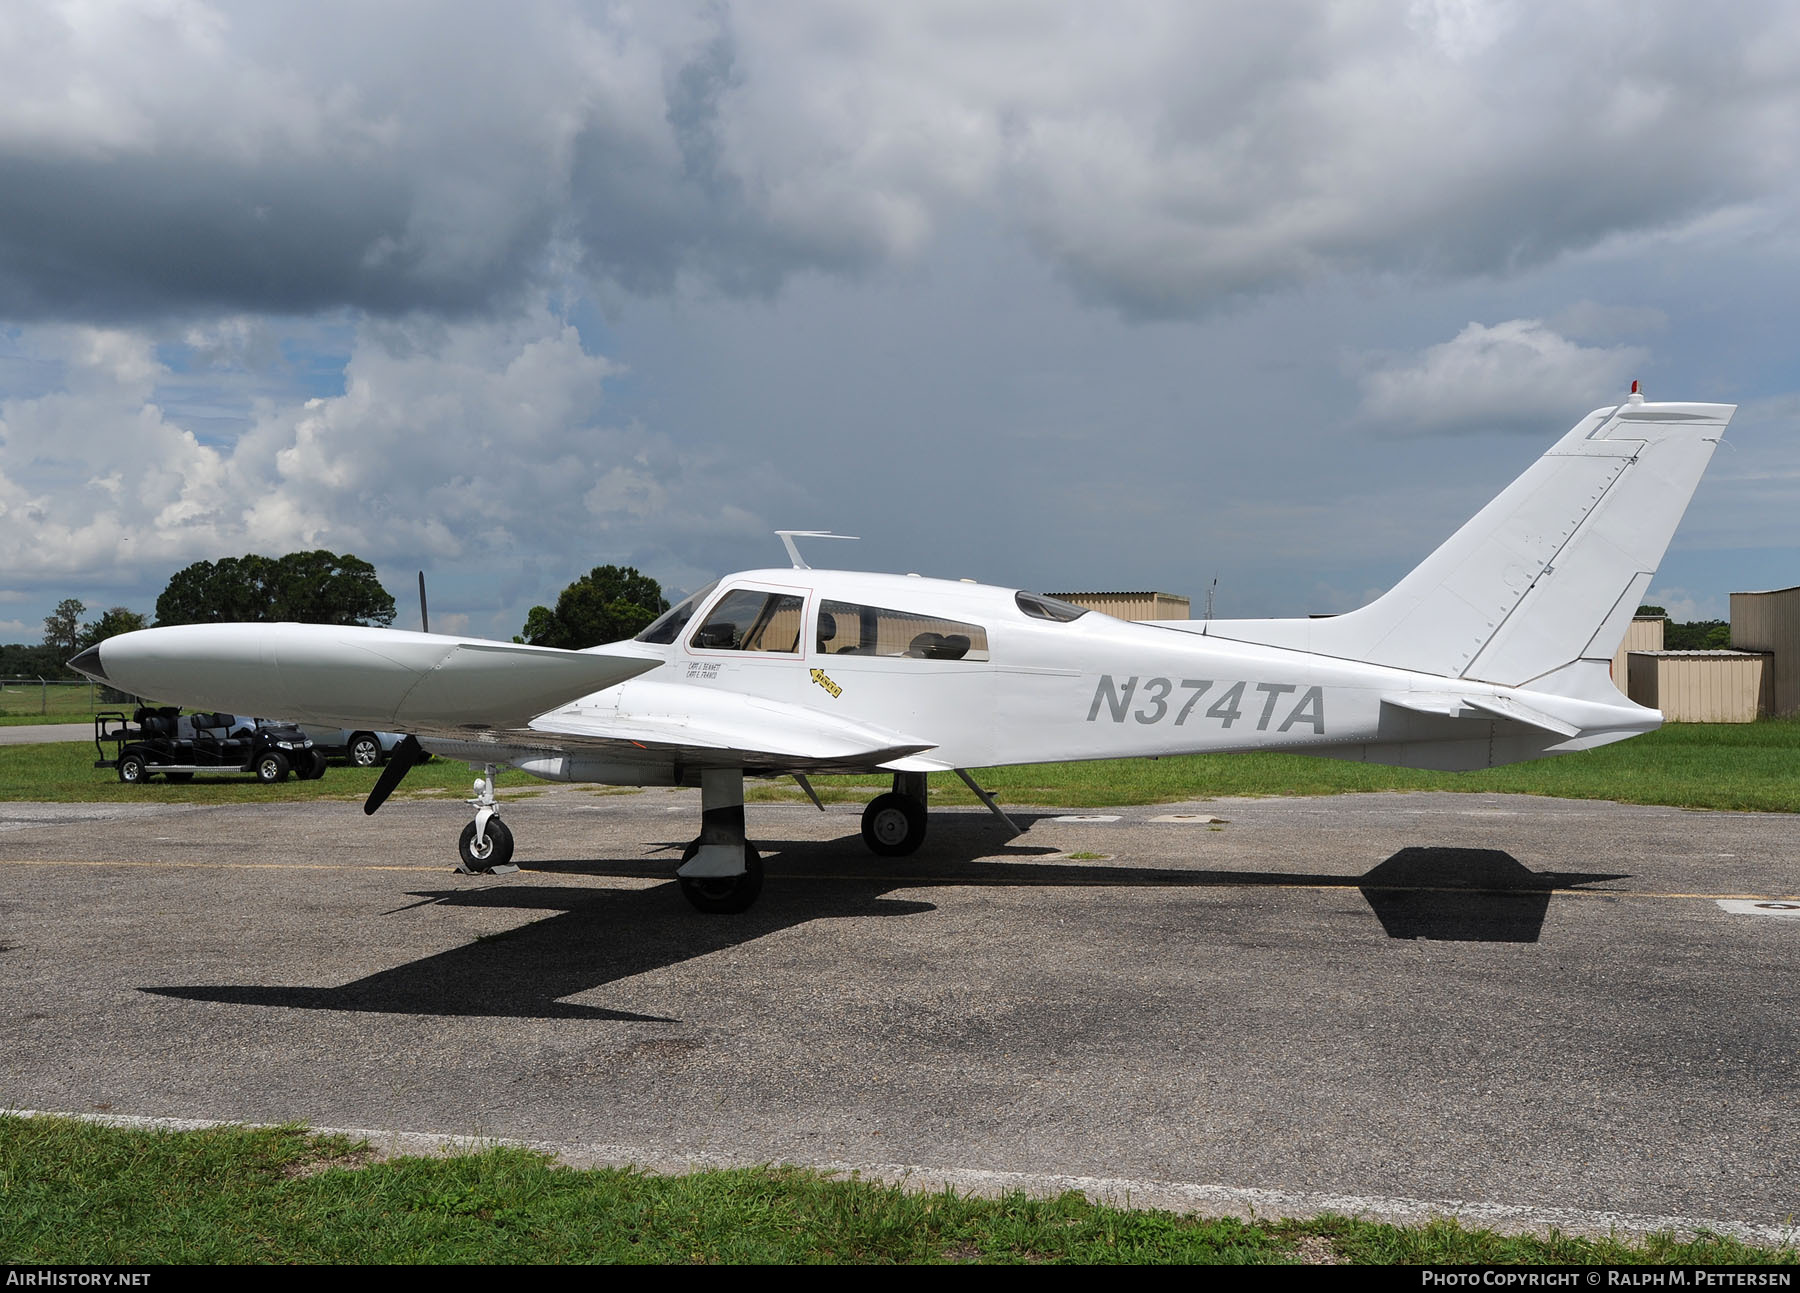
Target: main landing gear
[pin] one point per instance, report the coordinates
(721, 872)
(893, 825)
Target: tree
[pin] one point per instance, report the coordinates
(62, 627)
(604, 605)
(308, 587)
(21, 661)
(1694, 635)
(1697, 635)
(110, 624)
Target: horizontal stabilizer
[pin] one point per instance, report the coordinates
(1482, 707)
(354, 676)
(1508, 707)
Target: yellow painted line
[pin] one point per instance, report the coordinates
(1349, 882)
(218, 866)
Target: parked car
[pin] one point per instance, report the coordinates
(164, 740)
(363, 749)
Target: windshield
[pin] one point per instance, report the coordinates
(667, 626)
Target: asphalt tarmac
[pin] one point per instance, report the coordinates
(38, 733)
(1522, 1011)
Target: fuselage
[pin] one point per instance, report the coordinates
(1033, 689)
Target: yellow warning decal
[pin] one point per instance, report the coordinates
(818, 676)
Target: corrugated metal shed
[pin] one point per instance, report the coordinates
(1644, 633)
(1702, 686)
(1771, 622)
(1131, 606)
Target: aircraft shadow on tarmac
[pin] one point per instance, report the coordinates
(604, 935)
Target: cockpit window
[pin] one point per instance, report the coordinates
(848, 629)
(748, 619)
(666, 627)
(1040, 607)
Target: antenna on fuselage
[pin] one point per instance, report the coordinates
(424, 615)
(787, 538)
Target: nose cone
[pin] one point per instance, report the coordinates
(88, 662)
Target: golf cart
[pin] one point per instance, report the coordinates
(179, 745)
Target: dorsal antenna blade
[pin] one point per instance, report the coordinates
(787, 538)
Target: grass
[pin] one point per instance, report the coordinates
(1733, 766)
(1746, 767)
(64, 772)
(72, 1192)
(59, 702)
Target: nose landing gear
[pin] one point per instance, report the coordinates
(486, 844)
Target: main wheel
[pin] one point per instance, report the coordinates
(364, 750)
(133, 769)
(272, 767)
(723, 895)
(893, 825)
(496, 848)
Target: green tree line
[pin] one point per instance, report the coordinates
(319, 587)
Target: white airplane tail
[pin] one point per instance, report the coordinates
(1539, 587)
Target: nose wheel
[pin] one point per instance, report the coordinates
(486, 844)
(495, 849)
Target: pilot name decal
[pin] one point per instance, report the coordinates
(819, 676)
(703, 670)
(1162, 699)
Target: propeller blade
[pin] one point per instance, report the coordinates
(400, 762)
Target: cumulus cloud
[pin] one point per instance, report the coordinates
(1512, 376)
(472, 444)
(230, 156)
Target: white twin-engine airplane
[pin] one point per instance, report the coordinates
(1496, 649)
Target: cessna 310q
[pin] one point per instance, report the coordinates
(1497, 648)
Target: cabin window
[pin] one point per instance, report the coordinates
(846, 628)
(1040, 607)
(748, 619)
(666, 627)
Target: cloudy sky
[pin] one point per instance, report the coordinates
(1119, 295)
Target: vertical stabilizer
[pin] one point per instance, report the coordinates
(1547, 574)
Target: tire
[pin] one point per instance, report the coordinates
(271, 767)
(893, 825)
(723, 895)
(499, 849)
(133, 769)
(364, 750)
(179, 778)
(315, 766)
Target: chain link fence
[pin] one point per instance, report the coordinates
(69, 700)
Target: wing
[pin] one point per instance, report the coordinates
(688, 726)
(702, 729)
